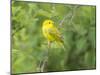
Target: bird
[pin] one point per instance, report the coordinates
(51, 33)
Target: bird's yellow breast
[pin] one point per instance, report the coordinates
(46, 33)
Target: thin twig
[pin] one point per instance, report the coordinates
(69, 15)
(17, 30)
(53, 7)
(44, 63)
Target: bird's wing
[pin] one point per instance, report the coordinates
(55, 33)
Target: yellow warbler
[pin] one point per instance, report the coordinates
(51, 32)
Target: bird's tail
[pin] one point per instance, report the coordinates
(62, 45)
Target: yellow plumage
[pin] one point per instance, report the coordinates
(51, 32)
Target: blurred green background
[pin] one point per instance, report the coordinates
(77, 24)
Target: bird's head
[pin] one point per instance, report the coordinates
(48, 22)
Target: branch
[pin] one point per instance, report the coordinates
(43, 65)
(69, 15)
(17, 30)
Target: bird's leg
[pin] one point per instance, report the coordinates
(49, 44)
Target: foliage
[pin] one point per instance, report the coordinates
(29, 47)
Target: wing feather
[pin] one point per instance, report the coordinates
(55, 34)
